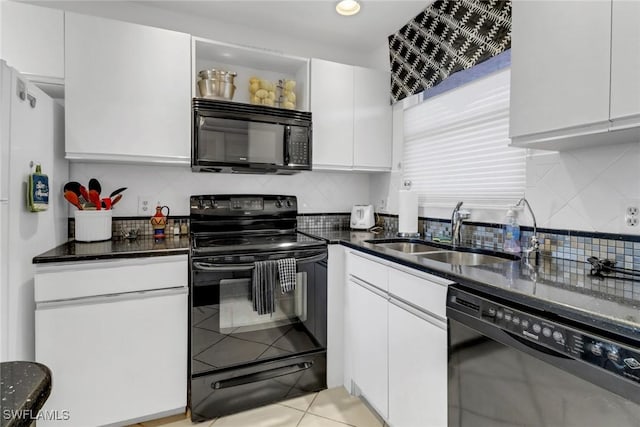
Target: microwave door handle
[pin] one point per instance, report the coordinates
(287, 140)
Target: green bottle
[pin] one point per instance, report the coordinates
(38, 197)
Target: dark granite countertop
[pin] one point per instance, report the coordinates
(144, 246)
(24, 388)
(555, 286)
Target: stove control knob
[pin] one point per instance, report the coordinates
(287, 203)
(525, 323)
(278, 204)
(499, 314)
(613, 355)
(557, 335)
(536, 328)
(596, 349)
(546, 332)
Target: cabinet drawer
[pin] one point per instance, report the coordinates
(84, 279)
(370, 271)
(425, 294)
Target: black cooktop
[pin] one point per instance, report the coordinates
(202, 244)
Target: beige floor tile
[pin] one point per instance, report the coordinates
(336, 404)
(301, 403)
(180, 420)
(310, 420)
(266, 416)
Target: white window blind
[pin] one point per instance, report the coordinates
(456, 146)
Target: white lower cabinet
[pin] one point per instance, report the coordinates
(417, 368)
(368, 323)
(396, 340)
(114, 334)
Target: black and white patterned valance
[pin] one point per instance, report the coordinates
(448, 36)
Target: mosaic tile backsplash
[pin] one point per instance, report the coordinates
(568, 245)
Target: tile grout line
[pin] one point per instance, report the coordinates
(320, 416)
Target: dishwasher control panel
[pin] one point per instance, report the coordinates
(566, 340)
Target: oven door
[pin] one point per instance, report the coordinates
(226, 331)
(241, 359)
(495, 379)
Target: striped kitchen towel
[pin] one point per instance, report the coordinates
(263, 285)
(287, 274)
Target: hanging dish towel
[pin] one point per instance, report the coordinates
(263, 286)
(287, 274)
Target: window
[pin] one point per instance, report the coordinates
(456, 146)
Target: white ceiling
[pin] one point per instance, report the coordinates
(314, 20)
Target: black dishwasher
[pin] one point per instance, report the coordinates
(512, 365)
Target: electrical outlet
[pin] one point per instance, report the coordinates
(632, 212)
(382, 205)
(144, 205)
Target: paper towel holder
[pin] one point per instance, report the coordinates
(406, 185)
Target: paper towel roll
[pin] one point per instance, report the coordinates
(408, 211)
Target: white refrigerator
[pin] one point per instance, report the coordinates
(31, 130)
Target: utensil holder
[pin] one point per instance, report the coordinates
(92, 226)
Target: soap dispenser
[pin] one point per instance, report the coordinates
(511, 233)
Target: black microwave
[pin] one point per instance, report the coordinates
(243, 138)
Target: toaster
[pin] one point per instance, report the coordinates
(362, 217)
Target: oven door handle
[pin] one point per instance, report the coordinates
(208, 266)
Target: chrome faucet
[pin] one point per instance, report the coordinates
(457, 216)
(534, 244)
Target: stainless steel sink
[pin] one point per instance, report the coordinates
(408, 247)
(463, 258)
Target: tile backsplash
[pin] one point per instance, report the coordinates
(563, 244)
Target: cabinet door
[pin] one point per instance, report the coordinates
(372, 120)
(368, 323)
(115, 359)
(417, 369)
(625, 63)
(33, 40)
(560, 61)
(332, 109)
(127, 91)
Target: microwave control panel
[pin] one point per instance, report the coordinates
(298, 146)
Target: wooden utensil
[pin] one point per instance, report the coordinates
(84, 193)
(94, 184)
(72, 186)
(94, 197)
(116, 200)
(116, 192)
(72, 198)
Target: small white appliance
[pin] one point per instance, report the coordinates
(362, 217)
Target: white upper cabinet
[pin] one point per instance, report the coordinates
(33, 40)
(128, 92)
(351, 117)
(625, 64)
(372, 119)
(560, 71)
(332, 113)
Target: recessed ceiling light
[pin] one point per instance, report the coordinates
(348, 7)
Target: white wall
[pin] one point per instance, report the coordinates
(317, 192)
(585, 189)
